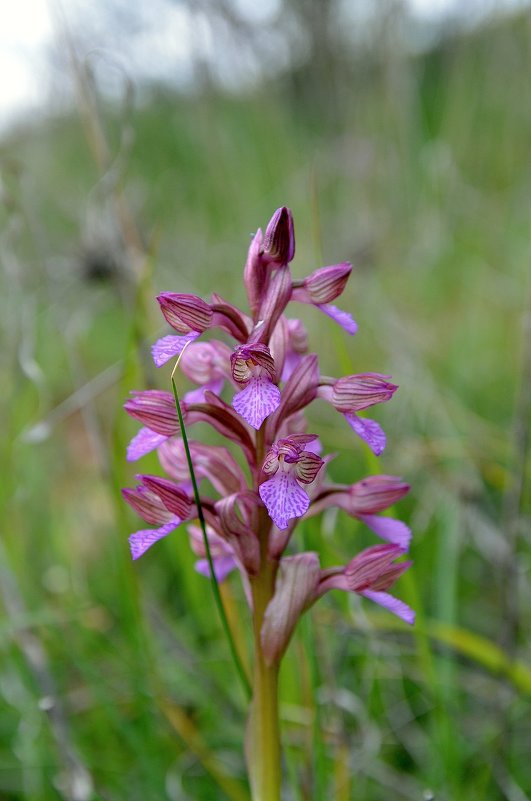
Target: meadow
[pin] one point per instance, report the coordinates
(115, 679)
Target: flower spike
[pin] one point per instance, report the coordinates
(265, 471)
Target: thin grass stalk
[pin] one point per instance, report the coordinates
(213, 581)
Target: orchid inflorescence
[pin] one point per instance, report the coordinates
(273, 379)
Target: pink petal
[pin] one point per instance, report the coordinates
(198, 395)
(394, 531)
(258, 400)
(290, 363)
(343, 318)
(392, 604)
(167, 347)
(142, 540)
(369, 431)
(283, 498)
(145, 441)
(223, 565)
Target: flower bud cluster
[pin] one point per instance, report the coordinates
(253, 392)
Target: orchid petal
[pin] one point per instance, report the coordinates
(142, 540)
(198, 395)
(342, 318)
(258, 400)
(369, 431)
(223, 565)
(144, 442)
(394, 531)
(284, 498)
(166, 348)
(392, 604)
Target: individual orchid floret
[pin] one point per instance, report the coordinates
(253, 367)
(279, 239)
(156, 410)
(290, 466)
(189, 315)
(221, 552)
(150, 507)
(371, 573)
(321, 287)
(364, 500)
(352, 394)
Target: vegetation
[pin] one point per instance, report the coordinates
(115, 679)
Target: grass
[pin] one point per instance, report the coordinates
(115, 677)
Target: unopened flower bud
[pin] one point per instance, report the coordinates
(279, 239)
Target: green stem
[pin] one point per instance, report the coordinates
(263, 744)
(215, 587)
(264, 729)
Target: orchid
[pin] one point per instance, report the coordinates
(248, 516)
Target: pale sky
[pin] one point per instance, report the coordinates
(27, 27)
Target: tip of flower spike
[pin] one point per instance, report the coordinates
(279, 239)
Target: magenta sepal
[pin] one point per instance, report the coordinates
(230, 319)
(166, 348)
(375, 493)
(140, 541)
(144, 442)
(185, 313)
(155, 409)
(353, 393)
(147, 504)
(323, 285)
(275, 301)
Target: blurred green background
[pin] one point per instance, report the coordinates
(403, 149)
